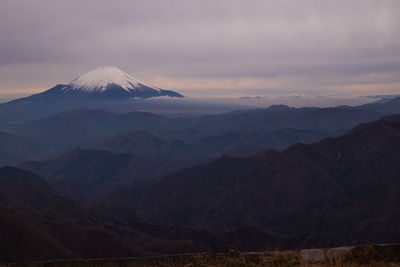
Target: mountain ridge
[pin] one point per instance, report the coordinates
(349, 183)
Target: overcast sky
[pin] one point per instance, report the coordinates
(206, 48)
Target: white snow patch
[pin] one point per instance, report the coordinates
(99, 78)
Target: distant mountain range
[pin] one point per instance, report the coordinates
(145, 144)
(145, 134)
(102, 83)
(110, 89)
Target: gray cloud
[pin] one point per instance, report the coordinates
(187, 39)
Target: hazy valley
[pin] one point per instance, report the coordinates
(139, 183)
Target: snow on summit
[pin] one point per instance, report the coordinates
(100, 78)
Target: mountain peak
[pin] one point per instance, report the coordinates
(100, 78)
(101, 83)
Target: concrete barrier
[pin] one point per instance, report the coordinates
(355, 256)
(313, 255)
(339, 254)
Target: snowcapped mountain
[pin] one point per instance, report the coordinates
(102, 83)
(101, 78)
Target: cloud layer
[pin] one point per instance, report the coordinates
(269, 46)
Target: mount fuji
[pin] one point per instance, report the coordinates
(102, 83)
